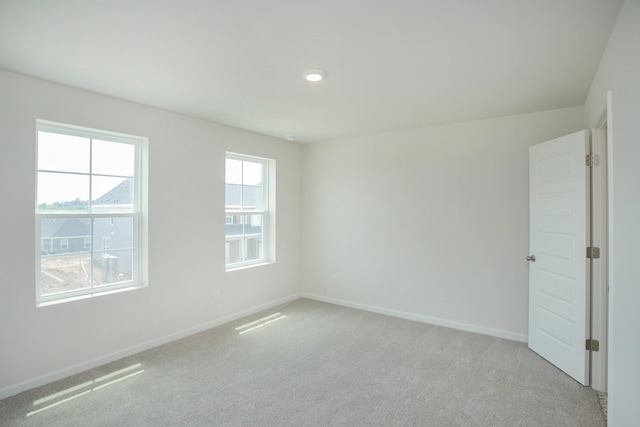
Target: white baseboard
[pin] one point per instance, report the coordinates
(421, 318)
(107, 358)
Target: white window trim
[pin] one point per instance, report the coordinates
(139, 214)
(268, 222)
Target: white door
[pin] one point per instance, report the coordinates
(558, 276)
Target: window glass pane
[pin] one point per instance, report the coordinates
(112, 267)
(113, 158)
(233, 171)
(253, 189)
(252, 197)
(234, 230)
(233, 251)
(54, 232)
(113, 233)
(233, 196)
(112, 193)
(251, 173)
(253, 226)
(243, 240)
(254, 248)
(60, 273)
(60, 191)
(63, 153)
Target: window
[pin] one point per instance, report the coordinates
(249, 215)
(89, 198)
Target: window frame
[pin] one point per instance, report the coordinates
(267, 248)
(137, 212)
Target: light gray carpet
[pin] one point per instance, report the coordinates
(314, 364)
(604, 407)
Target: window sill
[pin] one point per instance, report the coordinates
(87, 296)
(245, 266)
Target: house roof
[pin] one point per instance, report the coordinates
(391, 65)
(64, 227)
(246, 195)
(121, 194)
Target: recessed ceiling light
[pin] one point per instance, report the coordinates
(314, 75)
(290, 138)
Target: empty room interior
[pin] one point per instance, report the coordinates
(375, 163)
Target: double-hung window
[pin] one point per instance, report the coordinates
(248, 212)
(88, 212)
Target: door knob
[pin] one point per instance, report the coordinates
(531, 258)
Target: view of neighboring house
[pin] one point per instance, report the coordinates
(112, 237)
(65, 242)
(243, 231)
(64, 235)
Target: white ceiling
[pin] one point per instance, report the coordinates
(391, 64)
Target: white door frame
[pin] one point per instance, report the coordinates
(600, 235)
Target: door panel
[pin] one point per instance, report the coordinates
(558, 278)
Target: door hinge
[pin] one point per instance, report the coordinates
(593, 160)
(593, 252)
(593, 345)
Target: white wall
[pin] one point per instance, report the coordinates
(619, 72)
(188, 287)
(429, 224)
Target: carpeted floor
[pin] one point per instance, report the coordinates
(604, 407)
(308, 363)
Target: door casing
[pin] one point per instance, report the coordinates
(600, 231)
